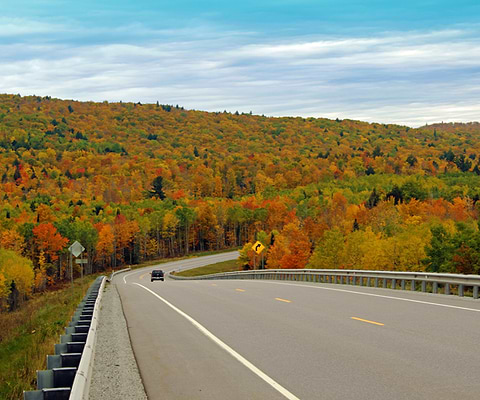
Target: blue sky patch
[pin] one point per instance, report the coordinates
(410, 62)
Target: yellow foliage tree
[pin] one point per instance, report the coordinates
(246, 255)
(329, 251)
(15, 268)
(354, 250)
(41, 272)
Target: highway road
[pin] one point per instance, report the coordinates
(241, 339)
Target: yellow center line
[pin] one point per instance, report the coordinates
(214, 284)
(366, 320)
(144, 275)
(285, 301)
(239, 290)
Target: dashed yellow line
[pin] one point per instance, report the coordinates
(285, 301)
(240, 290)
(144, 275)
(214, 284)
(367, 321)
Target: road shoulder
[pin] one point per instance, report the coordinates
(115, 371)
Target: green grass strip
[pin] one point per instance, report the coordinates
(224, 266)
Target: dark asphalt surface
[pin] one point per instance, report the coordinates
(302, 336)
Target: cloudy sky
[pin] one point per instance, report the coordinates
(410, 62)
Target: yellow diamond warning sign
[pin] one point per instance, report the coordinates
(258, 247)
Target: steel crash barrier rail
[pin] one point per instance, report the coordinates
(69, 370)
(461, 285)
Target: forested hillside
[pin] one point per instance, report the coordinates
(133, 182)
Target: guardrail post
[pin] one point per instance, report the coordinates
(384, 283)
(376, 282)
(424, 286)
(447, 288)
(475, 292)
(412, 286)
(435, 287)
(460, 290)
(361, 281)
(394, 283)
(402, 283)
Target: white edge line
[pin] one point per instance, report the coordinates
(373, 295)
(227, 348)
(127, 275)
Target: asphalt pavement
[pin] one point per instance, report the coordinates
(244, 339)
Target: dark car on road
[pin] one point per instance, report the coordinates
(157, 275)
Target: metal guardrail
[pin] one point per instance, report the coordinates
(423, 281)
(69, 370)
(118, 272)
(81, 384)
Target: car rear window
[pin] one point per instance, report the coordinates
(157, 273)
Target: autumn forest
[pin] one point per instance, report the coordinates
(134, 182)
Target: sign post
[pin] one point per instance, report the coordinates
(76, 249)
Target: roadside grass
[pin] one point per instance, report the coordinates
(224, 266)
(29, 334)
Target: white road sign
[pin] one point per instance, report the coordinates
(76, 248)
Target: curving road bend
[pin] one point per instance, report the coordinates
(244, 339)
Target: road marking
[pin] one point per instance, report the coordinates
(214, 284)
(127, 275)
(285, 301)
(227, 348)
(144, 275)
(366, 320)
(373, 295)
(240, 290)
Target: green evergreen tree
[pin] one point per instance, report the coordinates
(157, 188)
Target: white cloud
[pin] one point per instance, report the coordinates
(409, 78)
(13, 27)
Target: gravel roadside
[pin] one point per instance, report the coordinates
(115, 373)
